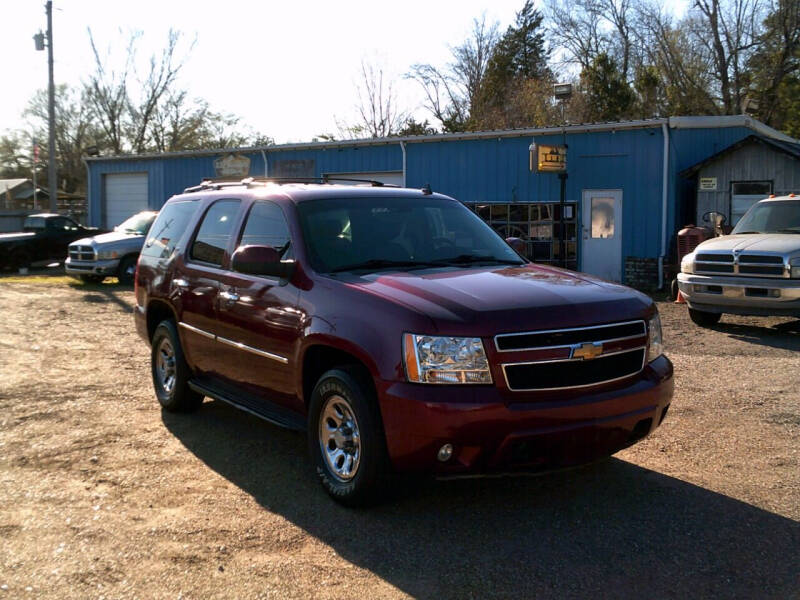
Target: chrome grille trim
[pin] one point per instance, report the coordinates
(590, 339)
(84, 253)
(575, 387)
(751, 264)
(569, 329)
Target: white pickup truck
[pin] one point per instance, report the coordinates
(753, 271)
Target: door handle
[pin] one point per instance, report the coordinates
(181, 283)
(229, 297)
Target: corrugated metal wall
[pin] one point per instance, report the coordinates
(753, 162)
(489, 170)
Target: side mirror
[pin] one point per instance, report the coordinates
(517, 244)
(261, 260)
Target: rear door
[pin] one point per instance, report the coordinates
(259, 325)
(196, 284)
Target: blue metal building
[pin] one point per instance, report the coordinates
(624, 194)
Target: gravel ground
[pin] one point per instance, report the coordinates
(104, 496)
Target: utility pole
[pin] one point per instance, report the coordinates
(52, 174)
(41, 42)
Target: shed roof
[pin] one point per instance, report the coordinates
(790, 148)
(709, 122)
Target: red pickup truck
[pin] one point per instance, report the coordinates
(397, 329)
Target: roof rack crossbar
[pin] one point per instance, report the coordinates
(211, 183)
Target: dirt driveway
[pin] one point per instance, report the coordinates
(104, 496)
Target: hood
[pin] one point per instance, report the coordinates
(780, 243)
(14, 237)
(110, 238)
(492, 300)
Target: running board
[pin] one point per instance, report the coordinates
(260, 408)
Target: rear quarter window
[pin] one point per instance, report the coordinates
(168, 228)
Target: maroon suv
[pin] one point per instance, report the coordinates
(396, 328)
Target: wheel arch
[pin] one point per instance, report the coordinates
(157, 311)
(319, 357)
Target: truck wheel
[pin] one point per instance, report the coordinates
(19, 259)
(704, 319)
(170, 372)
(346, 439)
(127, 269)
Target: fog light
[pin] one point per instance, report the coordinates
(445, 452)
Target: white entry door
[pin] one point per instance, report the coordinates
(601, 244)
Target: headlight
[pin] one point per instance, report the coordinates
(655, 341)
(433, 359)
(107, 254)
(795, 264)
(687, 264)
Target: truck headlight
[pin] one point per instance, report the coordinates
(434, 359)
(107, 254)
(795, 264)
(687, 264)
(655, 341)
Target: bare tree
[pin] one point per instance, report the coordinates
(452, 93)
(379, 115)
(125, 110)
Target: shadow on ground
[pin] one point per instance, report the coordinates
(612, 529)
(784, 335)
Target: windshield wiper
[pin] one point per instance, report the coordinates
(789, 230)
(745, 232)
(465, 259)
(381, 263)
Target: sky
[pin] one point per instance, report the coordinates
(289, 69)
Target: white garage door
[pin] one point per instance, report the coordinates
(126, 195)
(389, 177)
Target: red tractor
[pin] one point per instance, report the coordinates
(691, 236)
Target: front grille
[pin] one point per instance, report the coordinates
(727, 258)
(754, 265)
(566, 337)
(574, 373)
(761, 258)
(81, 253)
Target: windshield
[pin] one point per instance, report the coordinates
(345, 234)
(138, 224)
(34, 224)
(771, 217)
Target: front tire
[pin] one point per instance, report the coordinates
(704, 319)
(170, 372)
(127, 270)
(345, 438)
(91, 278)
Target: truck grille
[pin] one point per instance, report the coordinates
(81, 253)
(584, 356)
(753, 265)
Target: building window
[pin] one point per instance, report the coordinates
(538, 224)
(746, 193)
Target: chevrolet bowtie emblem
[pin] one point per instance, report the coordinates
(587, 351)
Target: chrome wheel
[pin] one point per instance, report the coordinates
(339, 438)
(165, 365)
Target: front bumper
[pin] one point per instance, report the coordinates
(741, 295)
(492, 431)
(96, 267)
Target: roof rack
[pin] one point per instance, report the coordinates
(211, 183)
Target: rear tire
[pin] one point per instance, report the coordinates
(170, 372)
(704, 319)
(127, 270)
(19, 259)
(346, 439)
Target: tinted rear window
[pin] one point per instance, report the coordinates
(168, 228)
(215, 232)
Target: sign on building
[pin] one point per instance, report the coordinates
(551, 159)
(232, 165)
(708, 184)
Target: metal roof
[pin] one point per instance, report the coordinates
(673, 122)
(792, 149)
